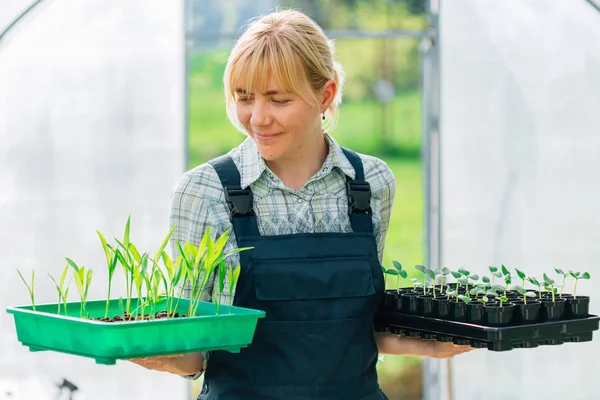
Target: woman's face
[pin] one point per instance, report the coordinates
(282, 124)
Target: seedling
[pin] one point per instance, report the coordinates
(399, 273)
(477, 290)
(62, 293)
(502, 300)
(578, 276)
(111, 260)
(549, 285)
(83, 281)
(535, 282)
(521, 276)
(486, 281)
(423, 270)
(233, 275)
(441, 277)
(484, 300)
(524, 293)
(564, 275)
(463, 298)
(30, 288)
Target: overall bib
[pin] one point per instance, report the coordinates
(320, 292)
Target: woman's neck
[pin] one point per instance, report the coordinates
(296, 170)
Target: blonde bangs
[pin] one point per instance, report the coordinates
(253, 64)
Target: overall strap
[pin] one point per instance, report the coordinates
(359, 194)
(238, 200)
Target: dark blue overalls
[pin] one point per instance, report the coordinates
(320, 292)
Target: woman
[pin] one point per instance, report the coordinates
(317, 215)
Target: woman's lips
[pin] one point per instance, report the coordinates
(265, 137)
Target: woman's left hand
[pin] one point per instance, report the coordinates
(388, 343)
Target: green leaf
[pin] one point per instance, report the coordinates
(397, 265)
(520, 289)
(430, 273)
(64, 276)
(520, 274)
(485, 280)
(497, 288)
(533, 281)
(585, 275)
(126, 234)
(498, 274)
(474, 277)
(574, 274)
(135, 253)
(493, 269)
(72, 264)
(559, 271)
(547, 280)
(107, 251)
(464, 272)
(393, 272)
(530, 294)
(466, 299)
(491, 293)
(504, 270)
(420, 268)
(456, 274)
(222, 269)
(403, 274)
(463, 280)
(445, 271)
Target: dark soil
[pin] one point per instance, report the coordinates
(146, 317)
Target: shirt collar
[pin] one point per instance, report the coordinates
(252, 165)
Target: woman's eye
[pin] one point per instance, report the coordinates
(242, 99)
(281, 102)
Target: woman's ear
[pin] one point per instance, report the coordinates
(329, 92)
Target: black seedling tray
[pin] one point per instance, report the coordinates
(493, 338)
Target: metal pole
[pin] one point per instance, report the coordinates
(430, 76)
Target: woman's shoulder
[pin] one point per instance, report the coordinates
(377, 172)
(202, 183)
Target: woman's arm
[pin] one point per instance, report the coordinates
(178, 364)
(388, 343)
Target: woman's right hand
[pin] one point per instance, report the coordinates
(178, 364)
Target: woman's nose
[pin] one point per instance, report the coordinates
(260, 114)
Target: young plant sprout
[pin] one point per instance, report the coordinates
(502, 299)
(62, 293)
(477, 290)
(399, 272)
(523, 292)
(82, 281)
(440, 275)
(431, 274)
(233, 275)
(549, 285)
(111, 261)
(423, 269)
(175, 271)
(521, 276)
(457, 275)
(486, 281)
(484, 300)
(494, 272)
(578, 276)
(564, 275)
(31, 288)
(473, 278)
(535, 282)
(416, 283)
(507, 282)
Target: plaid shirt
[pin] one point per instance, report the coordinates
(321, 205)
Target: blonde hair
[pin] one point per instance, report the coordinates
(294, 49)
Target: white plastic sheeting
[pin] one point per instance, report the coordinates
(520, 153)
(92, 129)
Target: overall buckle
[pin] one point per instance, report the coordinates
(239, 201)
(360, 196)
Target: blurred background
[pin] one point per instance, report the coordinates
(487, 113)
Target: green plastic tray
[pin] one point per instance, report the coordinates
(43, 329)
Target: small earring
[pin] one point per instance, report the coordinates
(323, 117)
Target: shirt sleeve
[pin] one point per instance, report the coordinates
(192, 219)
(388, 192)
